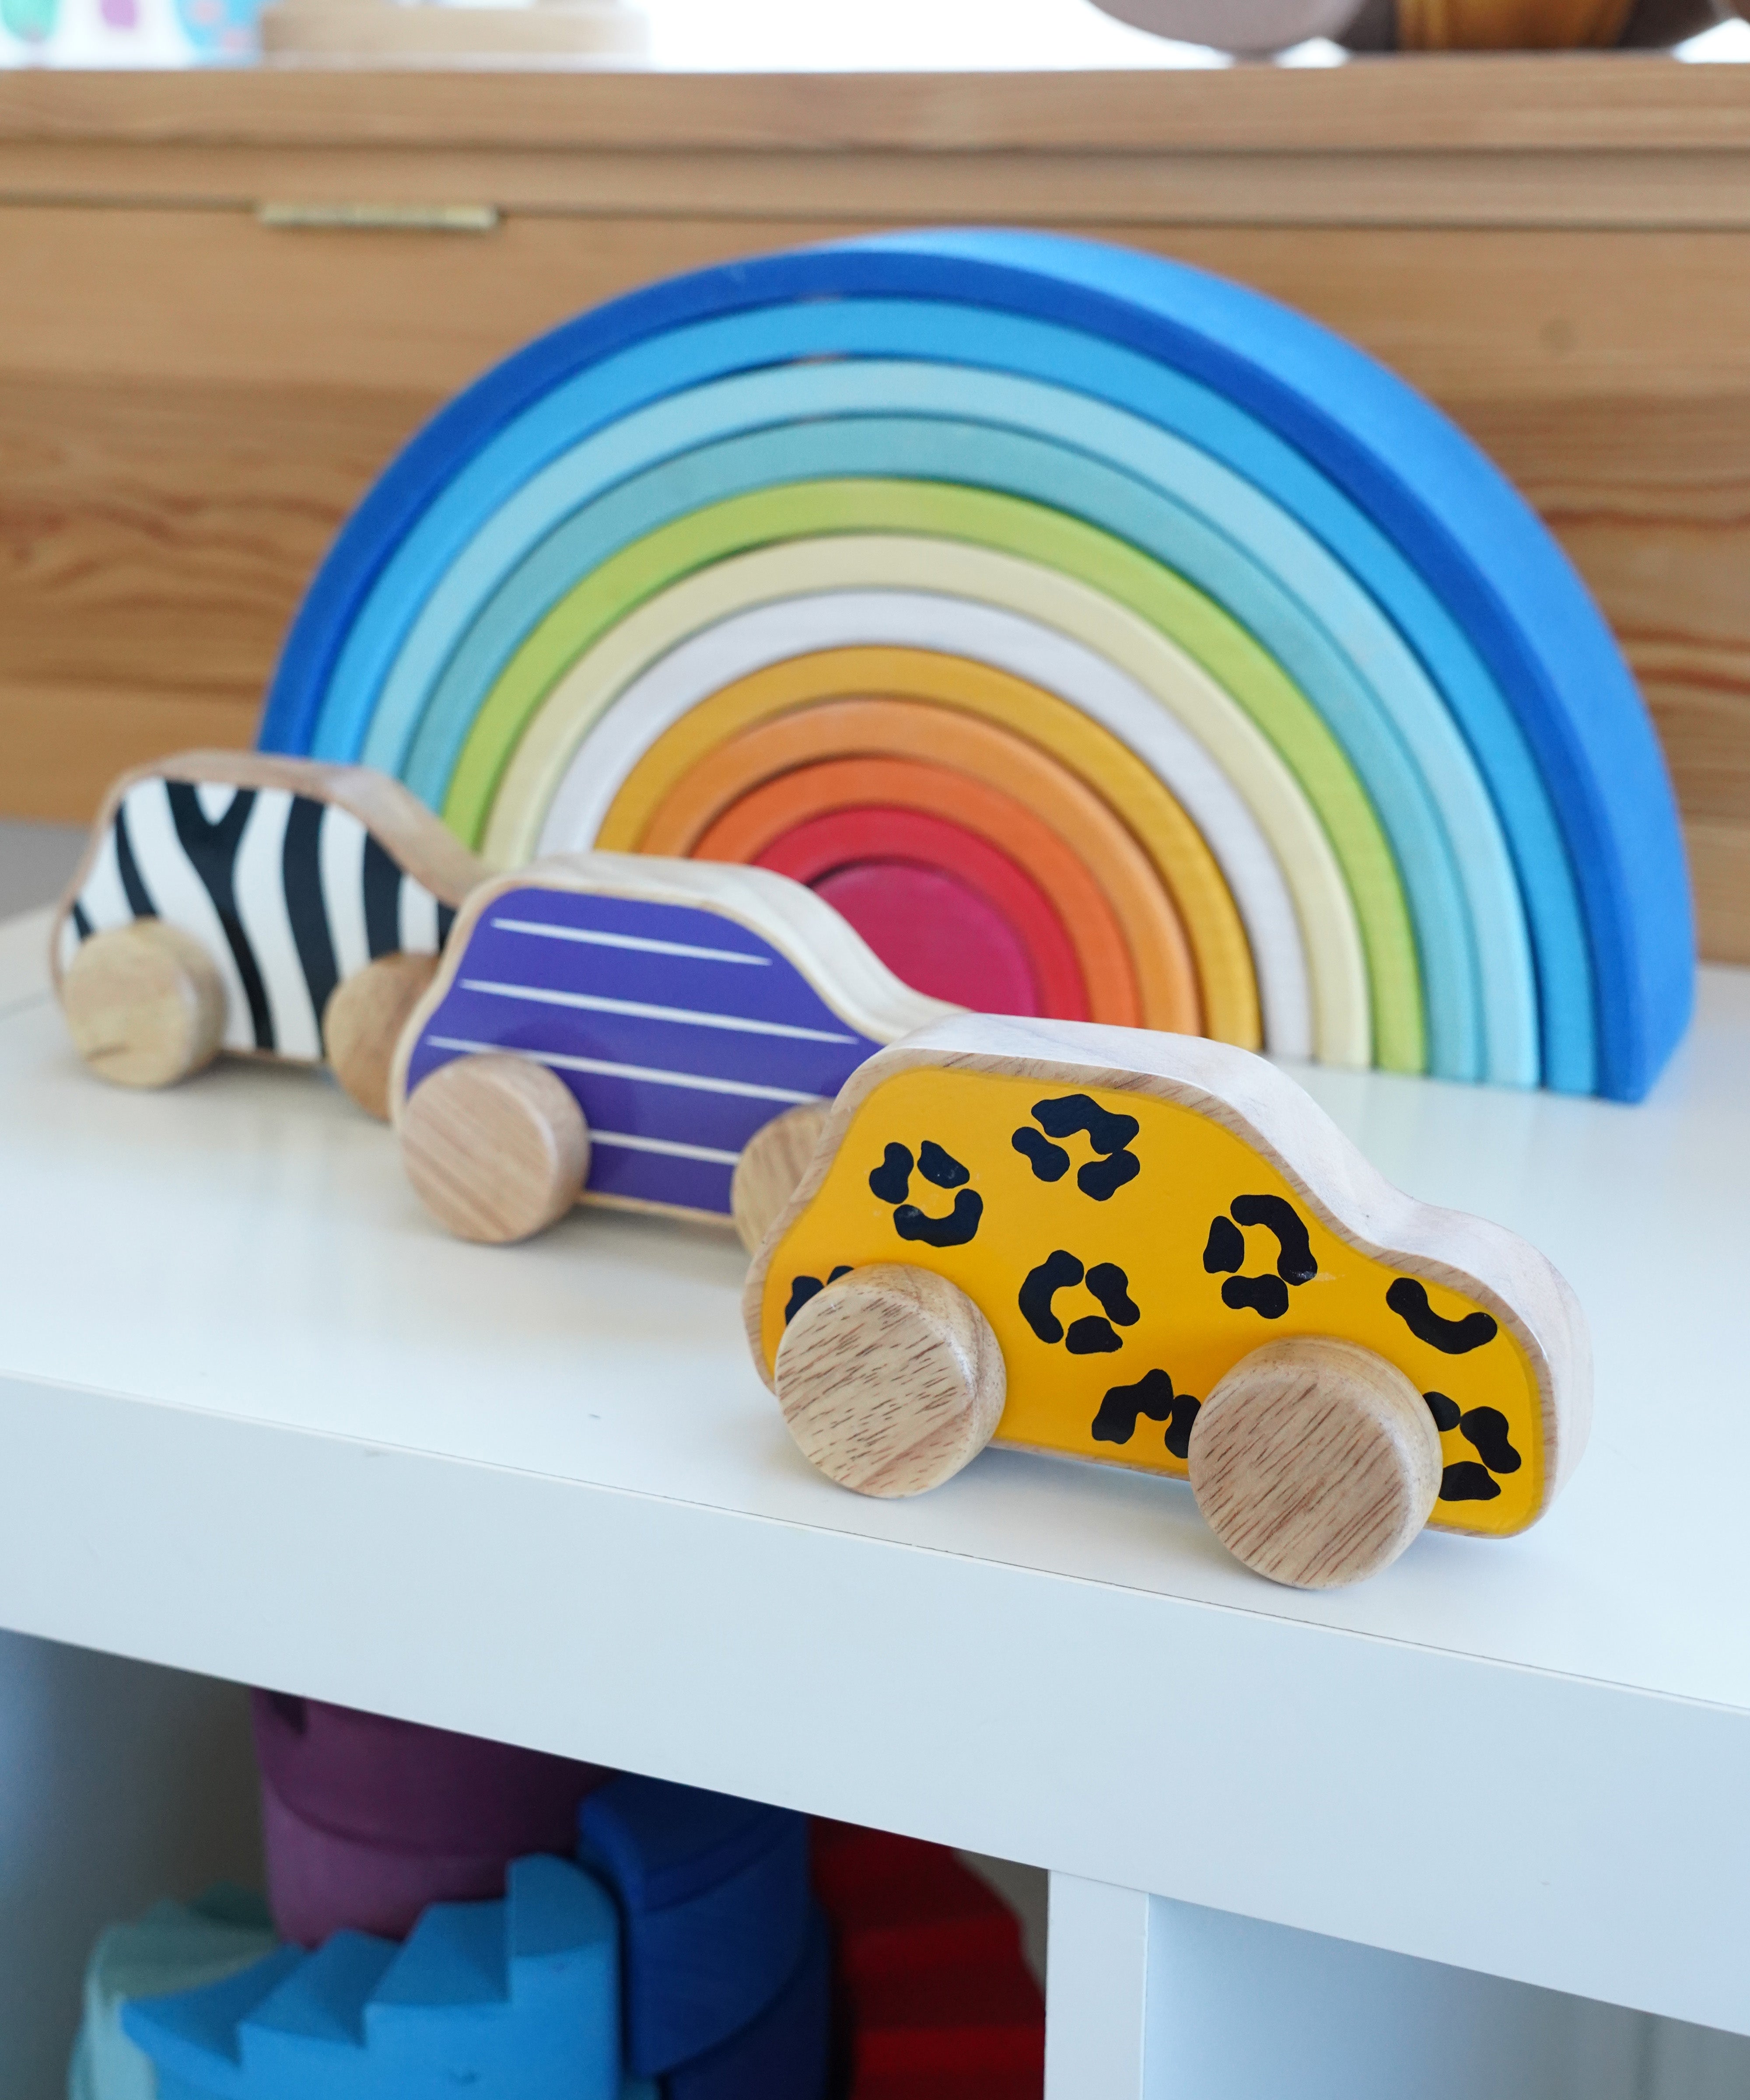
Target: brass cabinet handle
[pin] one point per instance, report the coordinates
(381, 217)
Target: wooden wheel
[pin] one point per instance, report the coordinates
(495, 1147)
(145, 1004)
(363, 1021)
(891, 1380)
(1315, 1462)
(773, 1163)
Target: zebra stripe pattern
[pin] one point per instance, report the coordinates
(288, 894)
(680, 1032)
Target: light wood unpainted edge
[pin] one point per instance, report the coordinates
(419, 841)
(1263, 1107)
(812, 937)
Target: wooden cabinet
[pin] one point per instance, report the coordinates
(196, 382)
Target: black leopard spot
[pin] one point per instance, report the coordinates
(1152, 1394)
(1106, 1130)
(941, 1167)
(956, 1229)
(1225, 1250)
(1049, 1162)
(1294, 1258)
(1102, 1179)
(1112, 1287)
(1485, 1430)
(1185, 1412)
(805, 1287)
(1444, 1411)
(1091, 1336)
(891, 1181)
(1108, 1133)
(1408, 1300)
(1265, 1296)
(1468, 1482)
(1058, 1272)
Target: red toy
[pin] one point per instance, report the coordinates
(935, 2000)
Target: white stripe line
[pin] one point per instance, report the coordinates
(341, 855)
(667, 1147)
(651, 1075)
(628, 941)
(637, 1010)
(418, 919)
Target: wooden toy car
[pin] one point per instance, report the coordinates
(620, 1029)
(274, 906)
(1157, 1252)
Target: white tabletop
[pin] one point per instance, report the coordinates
(261, 1419)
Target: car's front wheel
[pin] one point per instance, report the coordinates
(891, 1379)
(495, 1147)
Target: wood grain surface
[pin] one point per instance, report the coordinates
(1556, 248)
(495, 1147)
(890, 1380)
(362, 1022)
(144, 1004)
(773, 1162)
(1315, 1462)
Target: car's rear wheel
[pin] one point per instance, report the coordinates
(1315, 1461)
(144, 1003)
(495, 1147)
(891, 1380)
(363, 1021)
(771, 1166)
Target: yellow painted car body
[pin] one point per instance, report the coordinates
(1129, 1250)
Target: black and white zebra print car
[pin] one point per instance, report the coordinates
(267, 883)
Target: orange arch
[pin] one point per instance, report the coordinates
(1219, 983)
(766, 813)
(962, 744)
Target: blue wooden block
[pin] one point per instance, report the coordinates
(192, 2036)
(511, 2000)
(715, 1905)
(784, 2054)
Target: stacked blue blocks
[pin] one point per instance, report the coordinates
(727, 1967)
(706, 1969)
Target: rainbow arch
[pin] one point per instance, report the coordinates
(1310, 695)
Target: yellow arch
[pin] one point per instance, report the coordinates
(1172, 842)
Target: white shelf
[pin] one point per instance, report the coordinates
(262, 1420)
